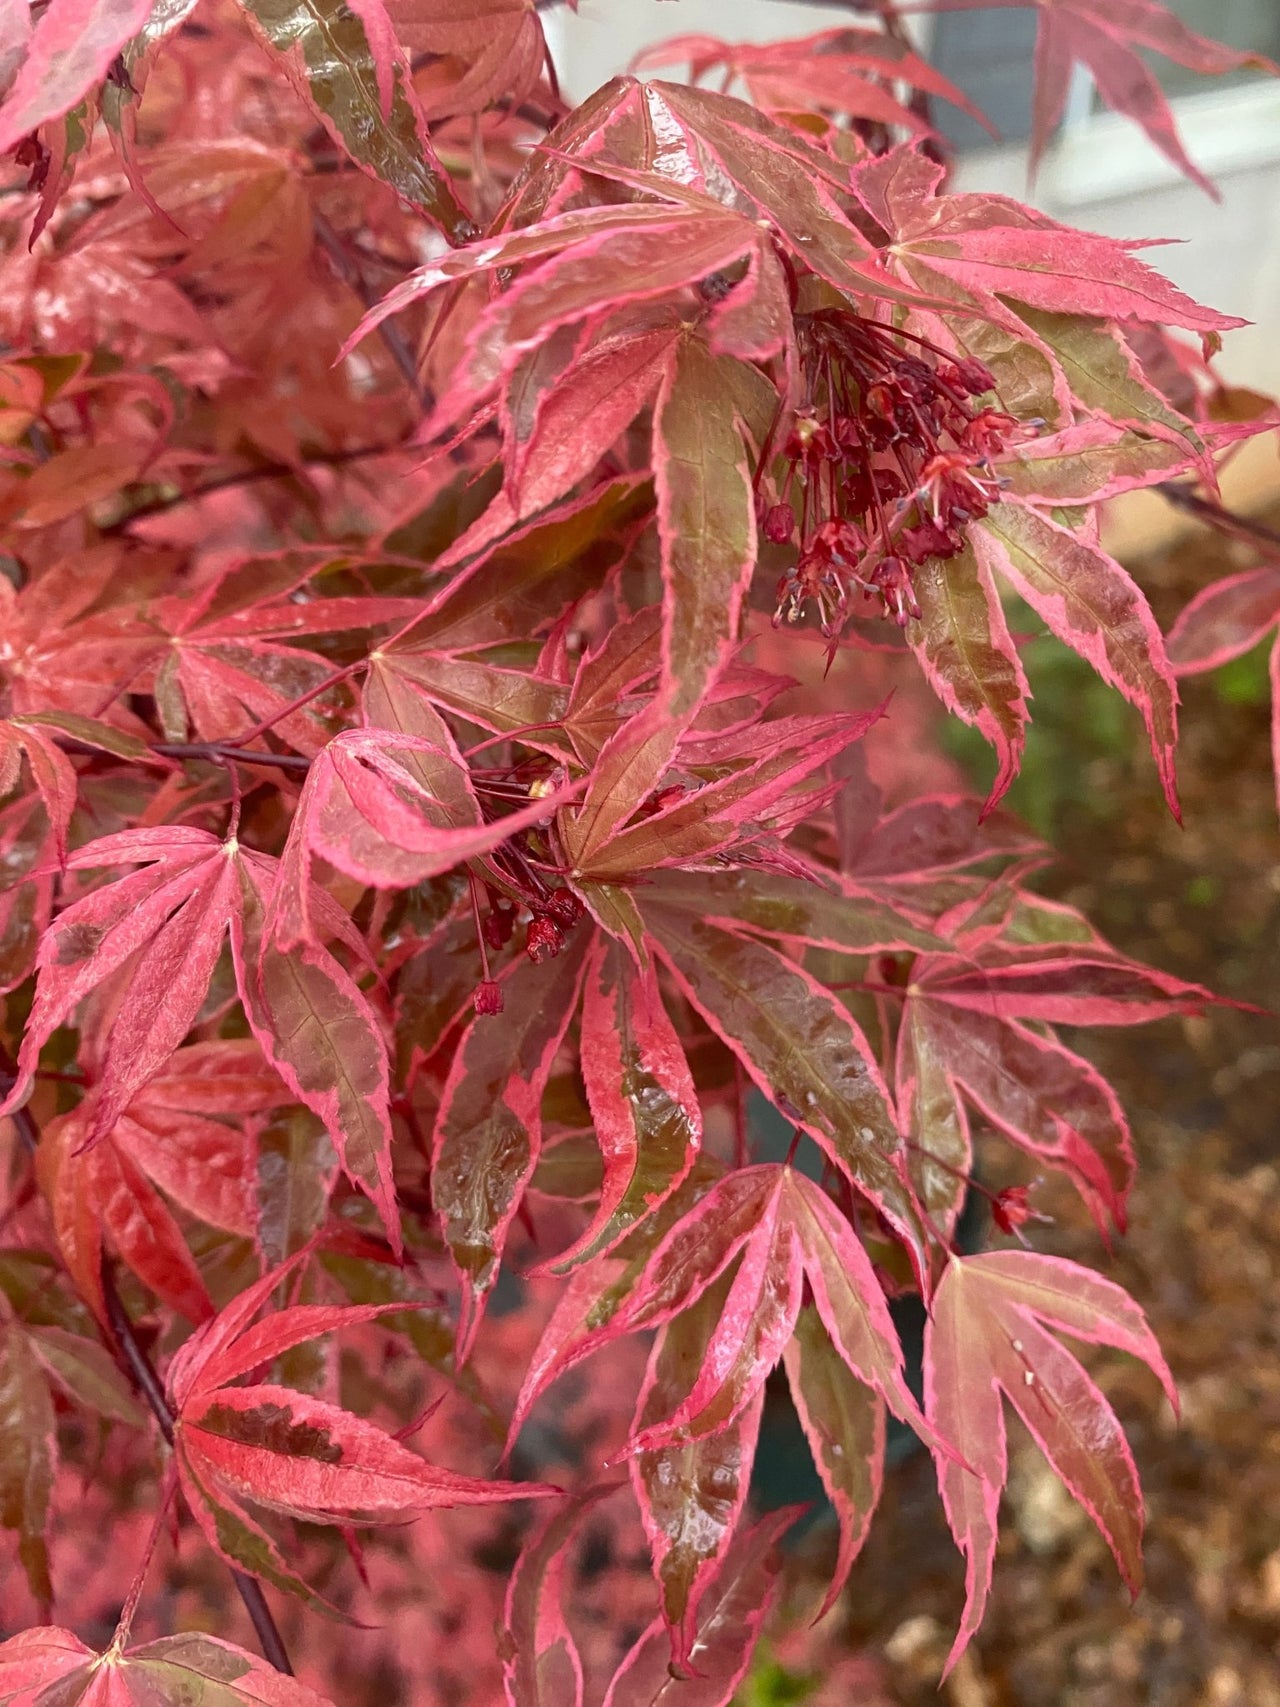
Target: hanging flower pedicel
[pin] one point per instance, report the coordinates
(888, 465)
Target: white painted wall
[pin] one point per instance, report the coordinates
(1105, 176)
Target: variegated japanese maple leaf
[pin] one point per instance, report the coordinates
(41, 1666)
(349, 65)
(71, 641)
(1112, 41)
(35, 822)
(166, 924)
(763, 1265)
(242, 1450)
(184, 1131)
(227, 664)
(1224, 621)
(477, 52)
(718, 1266)
(850, 72)
(543, 1663)
(987, 1341)
(730, 1281)
(975, 1032)
(748, 1269)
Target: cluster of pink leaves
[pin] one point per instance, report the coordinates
(407, 867)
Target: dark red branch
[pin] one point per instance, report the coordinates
(1226, 521)
(393, 338)
(250, 477)
(142, 1373)
(220, 752)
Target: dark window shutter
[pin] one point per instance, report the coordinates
(988, 55)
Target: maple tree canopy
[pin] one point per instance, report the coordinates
(473, 576)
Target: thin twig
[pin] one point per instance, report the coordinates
(143, 1375)
(226, 752)
(343, 675)
(216, 752)
(141, 1371)
(138, 1366)
(393, 338)
(249, 477)
(219, 752)
(1226, 521)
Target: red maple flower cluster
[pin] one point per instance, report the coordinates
(891, 462)
(516, 883)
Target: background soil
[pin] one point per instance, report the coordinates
(1201, 1253)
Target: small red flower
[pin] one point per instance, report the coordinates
(543, 940)
(1011, 1210)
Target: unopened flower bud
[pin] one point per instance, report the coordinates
(975, 376)
(565, 908)
(488, 997)
(499, 923)
(779, 524)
